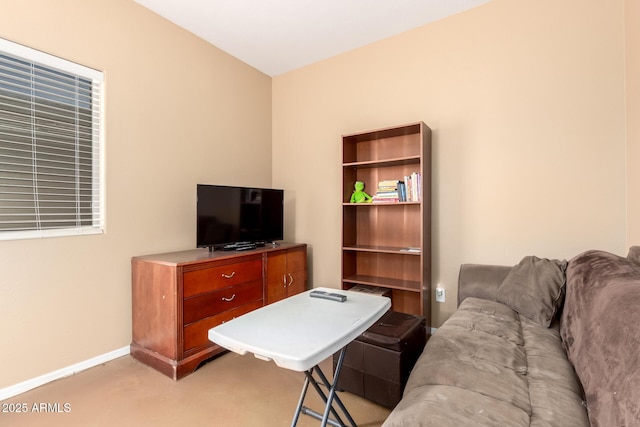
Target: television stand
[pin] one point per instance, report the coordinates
(177, 298)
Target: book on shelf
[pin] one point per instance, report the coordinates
(402, 191)
(389, 184)
(373, 290)
(387, 192)
(411, 249)
(413, 184)
(393, 190)
(385, 198)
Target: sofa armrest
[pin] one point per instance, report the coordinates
(480, 281)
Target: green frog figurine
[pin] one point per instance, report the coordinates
(359, 196)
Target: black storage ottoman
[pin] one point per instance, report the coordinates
(378, 362)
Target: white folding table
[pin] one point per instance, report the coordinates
(299, 332)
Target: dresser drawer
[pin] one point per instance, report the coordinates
(196, 334)
(212, 303)
(209, 279)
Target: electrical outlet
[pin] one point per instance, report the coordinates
(439, 294)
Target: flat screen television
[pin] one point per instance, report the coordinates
(238, 217)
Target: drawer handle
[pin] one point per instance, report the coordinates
(291, 282)
(228, 276)
(229, 299)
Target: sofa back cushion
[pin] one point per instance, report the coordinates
(600, 329)
(634, 254)
(534, 288)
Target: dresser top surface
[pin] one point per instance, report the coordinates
(203, 254)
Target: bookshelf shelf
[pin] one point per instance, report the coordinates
(412, 160)
(384, 249)
(388, 244)
(406, 285)
(376, 204)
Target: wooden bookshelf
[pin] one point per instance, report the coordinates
(388, 244)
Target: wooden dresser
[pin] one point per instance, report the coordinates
(177, 297)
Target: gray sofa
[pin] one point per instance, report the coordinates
(543, 343)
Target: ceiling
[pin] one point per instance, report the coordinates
(276, 36)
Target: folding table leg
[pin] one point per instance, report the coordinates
(328, 405)
(328, 400)
(296, 415)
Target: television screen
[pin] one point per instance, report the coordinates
(230, 215)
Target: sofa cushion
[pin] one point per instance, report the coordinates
(634, 254)
(554, 390)
(479, 348)
(443, 405)
(534, 288)
(489, 366)
(601, 334)
(488, 317)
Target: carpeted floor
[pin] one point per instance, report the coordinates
(231, 390)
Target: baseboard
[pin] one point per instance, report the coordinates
(14, 390)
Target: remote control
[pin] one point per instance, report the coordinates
(330, 296)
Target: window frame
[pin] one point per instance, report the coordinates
(98, 170)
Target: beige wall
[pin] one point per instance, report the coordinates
(632, 37)
(179, 112)
(526, 101)
(527, 105)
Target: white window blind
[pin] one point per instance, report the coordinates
(51, 145)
